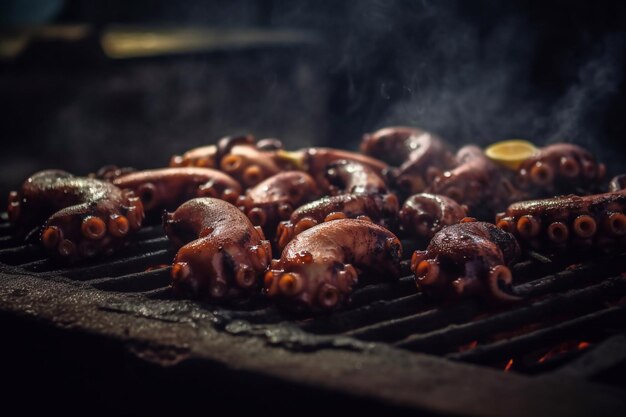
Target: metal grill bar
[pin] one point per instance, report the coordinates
(376, 311)
(388, 312)
(396, 329)
(135, 282)
(455, 335)
(541, 338)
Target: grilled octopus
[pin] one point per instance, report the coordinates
(476, 182)
(423, 215)
(357, 191)
(275, 198)
(82, 217)
(239, 157)
(559, 168)
(315, 162)
(418, 156)
(317, 270)
(352, 177)
(167, 188)
(568, 222)
(465, 259)
(221, 254)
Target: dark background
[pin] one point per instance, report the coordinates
(472, 71)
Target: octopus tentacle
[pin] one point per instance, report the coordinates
(351, 177)
(380, 209)
(425, 214)
(315, 161)
(273, 200)
(559, 168)
(80, 216)
(238, 156)
(568, 221)
(476, 182)
(467, 259)
(317, 269)
(418, 156)
(167, 188)
(221, 255)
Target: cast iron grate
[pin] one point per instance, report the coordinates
(572, 310)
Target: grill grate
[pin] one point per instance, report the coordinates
(566, 304)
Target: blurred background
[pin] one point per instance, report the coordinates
(88, 83)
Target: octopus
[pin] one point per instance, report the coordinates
(357, 191)
(381, 209)
(221, 255)
(167, 188)
(568, 222)
(423, 215)
(559, 168)
(315, 162)
(468, 259)
(418, 157)
(240, 157)
(275, 198)
(81, 217)
(476, 182)
(318, 269)
(351, 177)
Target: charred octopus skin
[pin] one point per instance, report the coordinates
(418, 156)
(167, 188)
(238, 156)
(465, 259)
(209, 156)
(559, 168)
(568, 222)
(351, 177)
(423, 215)
(378, 208)
(476, 182)
(275, 198)
(83, 217)
(318, 269)
(358, 191)
(222, 256)
(315, 162)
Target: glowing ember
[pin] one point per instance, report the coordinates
(508, 366)
(471, 345)
(563, 348)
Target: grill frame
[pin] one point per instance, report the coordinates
(185, 338)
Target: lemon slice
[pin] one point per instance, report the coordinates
(510, 153)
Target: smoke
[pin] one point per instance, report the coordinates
(585, 104)
(480, 75)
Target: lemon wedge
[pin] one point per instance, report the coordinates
(510, 153)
